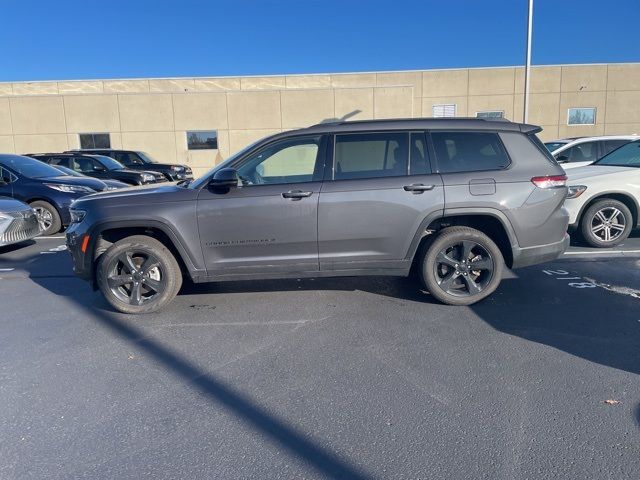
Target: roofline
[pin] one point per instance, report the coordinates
(280, 75)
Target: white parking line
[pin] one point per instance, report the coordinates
(602, 252)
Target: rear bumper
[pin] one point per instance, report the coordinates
(524, 257)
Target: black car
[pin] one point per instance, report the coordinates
(101, 167)
(108, 184)
(137, 160)
(47, 190)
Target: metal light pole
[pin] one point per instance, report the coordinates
(527, 69)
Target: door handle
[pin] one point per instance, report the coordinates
(296, 194)
(418, 188)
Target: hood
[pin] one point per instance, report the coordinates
(94, 183)
(596, 171)
(146, 195)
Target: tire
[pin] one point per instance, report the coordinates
(48, 216)
(606, 223)
(446, 272)
(138, 274)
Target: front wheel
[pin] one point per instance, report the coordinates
(606, 223)
(462, 266)
(48, 217)
(138, 274)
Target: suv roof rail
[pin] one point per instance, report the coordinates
(417, 119)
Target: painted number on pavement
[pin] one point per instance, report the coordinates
(572, 281)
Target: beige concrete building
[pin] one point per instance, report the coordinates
(161, 116)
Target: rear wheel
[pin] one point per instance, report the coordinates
(48, 217)
(138, 274)
(606, 223)
(462, 266)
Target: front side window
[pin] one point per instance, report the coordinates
(469, 151)
(583, 152)
(126, 158)
(202, 140)
(626, 156)
(95, 140)
(581, 116)
(371, 155)
(609, 146)
(288, 161)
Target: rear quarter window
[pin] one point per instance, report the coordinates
(469, 151)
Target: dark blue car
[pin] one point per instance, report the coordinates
(46, 189)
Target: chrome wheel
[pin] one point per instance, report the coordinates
(44, 217)
(464, 268)
(136, 277)
(608, 224)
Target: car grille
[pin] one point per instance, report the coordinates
(24, 226)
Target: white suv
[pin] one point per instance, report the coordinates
(604, 198)
(578, 152)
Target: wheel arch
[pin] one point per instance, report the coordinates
(623, 197)
(490, 223)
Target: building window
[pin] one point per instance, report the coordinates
(95, 140)
(490, 114)
(202, 140)
(444, 110)
(581, 116)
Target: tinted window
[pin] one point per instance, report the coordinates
(126, 158)
(551, 146)
(626, 156)
(609, 146)
(583, 152)
(95, 140)
(202, 140)
(29, 167)
(371, 155)
(85, 165)
(6, 176)
(109, 162)
(62, 161)
(468, 151)
(289, 161)
(418, 155)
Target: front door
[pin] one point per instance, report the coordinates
(269, 223)
(382, 192)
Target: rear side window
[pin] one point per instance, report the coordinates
(583, 152)
(62, 161)
(418, 155)
(371, 155)
(468, 151)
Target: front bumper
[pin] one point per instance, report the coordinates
(524, 257)
(75, 236)
(19, 227)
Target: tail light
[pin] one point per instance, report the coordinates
(550, 181)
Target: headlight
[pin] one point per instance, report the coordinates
(177, 168)
(147, 177)
(70, 188)
(576, 190)
(77, 215)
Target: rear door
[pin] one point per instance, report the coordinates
(378, 195)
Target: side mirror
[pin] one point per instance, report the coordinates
(562, 159)
(225, 178)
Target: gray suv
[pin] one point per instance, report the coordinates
(454, 200)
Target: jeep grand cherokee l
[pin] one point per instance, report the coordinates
(456, 199)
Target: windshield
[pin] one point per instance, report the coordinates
(199, 183)
(146, 157)
(109, 163)
(551, 146)
(67, 171)
(28, 167)
(626, 156)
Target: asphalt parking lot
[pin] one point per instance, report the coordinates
(325, 378)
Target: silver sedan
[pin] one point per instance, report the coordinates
(18, 222)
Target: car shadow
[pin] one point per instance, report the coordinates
(541, 316)
(16, 246)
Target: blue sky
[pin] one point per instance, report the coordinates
(71, 39)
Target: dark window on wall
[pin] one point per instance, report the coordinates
(468, 151)
(202, 140)
(371, 155)
(95, 140)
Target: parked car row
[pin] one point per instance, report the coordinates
(50, 182)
